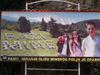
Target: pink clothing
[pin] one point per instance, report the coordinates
(77, 52)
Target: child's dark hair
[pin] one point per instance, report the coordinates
(91, 23)
(79, 38)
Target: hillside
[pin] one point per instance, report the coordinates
(83, 23)
(37, 51)
(81, 27)
(9, 18)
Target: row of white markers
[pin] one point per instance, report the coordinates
(21, 36)
(17, 43)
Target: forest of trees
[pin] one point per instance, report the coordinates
(55, 29)
(9, 25)
(22, 25)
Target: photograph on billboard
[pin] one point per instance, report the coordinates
(50, 36)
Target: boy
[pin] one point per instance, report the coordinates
(91, 44)
(63, 44)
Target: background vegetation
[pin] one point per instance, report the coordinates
(20, 4)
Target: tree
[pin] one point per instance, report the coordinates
(10, 25)
(53, 28)
(24, 24)
(43, 25)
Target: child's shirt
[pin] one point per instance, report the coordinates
(76, 50)
(91, 46)
(63, 45)
(64, 49)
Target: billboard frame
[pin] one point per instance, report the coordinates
(54, 11)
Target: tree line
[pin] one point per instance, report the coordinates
(55, 29)
(23, 25)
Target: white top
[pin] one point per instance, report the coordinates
(64, 47)
(76, 50)
(91, 46)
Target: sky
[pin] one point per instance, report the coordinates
(60, 17)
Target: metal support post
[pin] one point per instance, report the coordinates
(78, 68)
(26, 5)
(78, 6)
(25, 68)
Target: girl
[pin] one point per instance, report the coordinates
(75, 45)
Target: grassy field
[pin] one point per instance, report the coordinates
(31, 52)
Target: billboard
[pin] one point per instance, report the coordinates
(50, 36)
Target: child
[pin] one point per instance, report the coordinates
(63, 44)
(75, 45)
(91, 44)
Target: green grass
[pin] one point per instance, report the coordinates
(98, 32)
(31, 52)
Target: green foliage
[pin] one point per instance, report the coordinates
(79, 28)
(24, 24)
(72, 27)
(61, 31)
(48, 5)
(20, 4)
(95, 3)
(43, 25)
(32, 25)
(53, 28)
(35, 25)
(98, 33)
(10, 25)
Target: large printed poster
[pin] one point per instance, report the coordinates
(50, 36)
